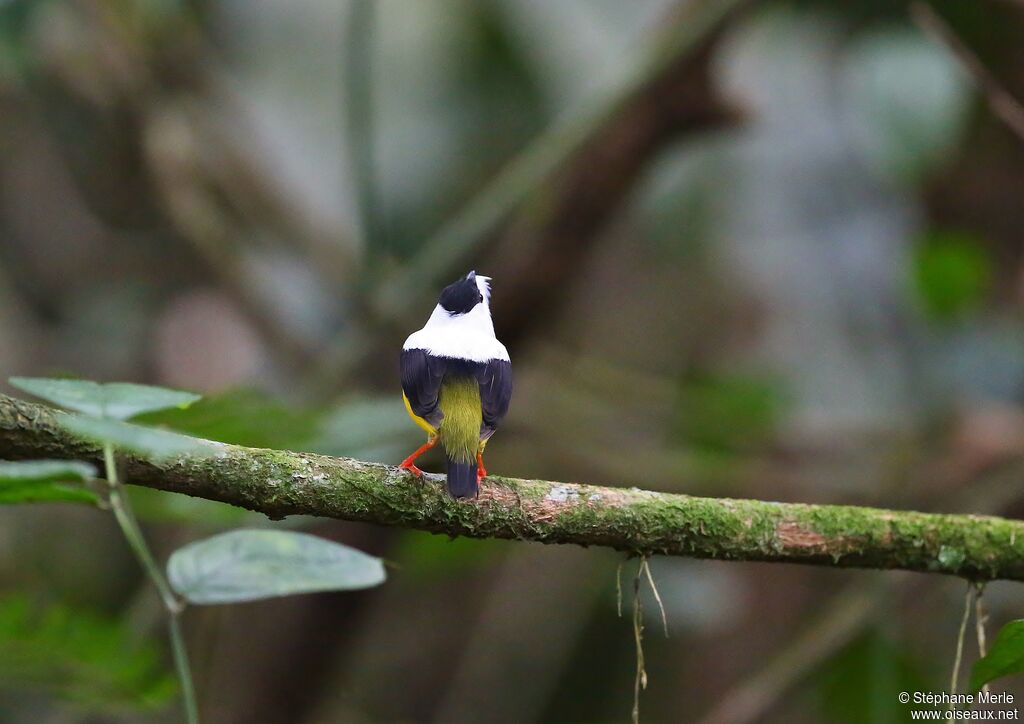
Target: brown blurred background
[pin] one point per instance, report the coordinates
(767, 249)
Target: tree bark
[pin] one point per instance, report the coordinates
(281, 483)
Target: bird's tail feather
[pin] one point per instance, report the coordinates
(461, 478)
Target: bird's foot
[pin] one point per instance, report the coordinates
(408, 462)
(411, 467)
(481, 471)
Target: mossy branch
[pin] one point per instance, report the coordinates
(280, 483)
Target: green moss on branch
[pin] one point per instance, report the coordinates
(280, 483)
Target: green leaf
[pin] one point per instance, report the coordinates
(1005, 657)
(248, 565)
(38, 481)
(94, 661)
(243, 417)
(148, 441)
(118, 400)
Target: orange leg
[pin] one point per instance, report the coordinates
(408, 462)
(481, 471)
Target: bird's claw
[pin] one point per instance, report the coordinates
(412, 469)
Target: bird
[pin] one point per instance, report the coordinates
(457, 382)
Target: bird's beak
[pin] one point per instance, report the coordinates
(471, 275)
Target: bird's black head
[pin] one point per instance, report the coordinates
(461, 296)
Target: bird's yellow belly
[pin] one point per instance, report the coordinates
(416, 418)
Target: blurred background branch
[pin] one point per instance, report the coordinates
(543, 212)
(1007, 108)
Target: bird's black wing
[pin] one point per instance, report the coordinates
(421, 383)
(495, 394)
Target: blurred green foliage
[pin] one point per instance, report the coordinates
(862, 682)
(90, 660)
(374, 428)
(15, 16)
(161, 507)
(952, 274)
(426, 556)
(728, 414)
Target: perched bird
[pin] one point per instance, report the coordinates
(457, 381)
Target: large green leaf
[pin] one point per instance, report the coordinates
(248, 565)
(37, 481)
(94, 661)
(243, 417)
(118, 400)
(148, 441)
(1005, 657)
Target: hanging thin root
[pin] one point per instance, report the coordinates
(980, 618)
(643, 569)
(646, 566)
(618, 589)
(638, 636)
(955, 677)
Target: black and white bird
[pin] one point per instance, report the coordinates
(457, 381)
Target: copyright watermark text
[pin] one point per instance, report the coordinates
(942, 706)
